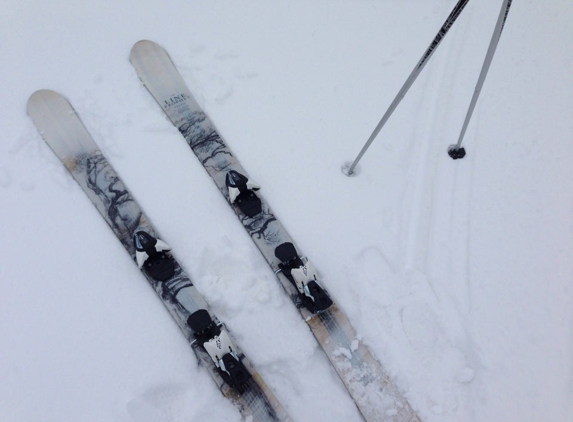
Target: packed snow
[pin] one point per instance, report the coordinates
(458, 275)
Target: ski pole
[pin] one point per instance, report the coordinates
(417, 69)
(456, 151)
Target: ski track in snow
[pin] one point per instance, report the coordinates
(436, 252)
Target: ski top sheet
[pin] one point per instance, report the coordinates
(375, 395)
(211, 342)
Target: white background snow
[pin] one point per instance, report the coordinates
(458, 274)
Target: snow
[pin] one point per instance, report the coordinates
(458, 275)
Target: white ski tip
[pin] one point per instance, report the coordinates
(142, 48)
(38, 99)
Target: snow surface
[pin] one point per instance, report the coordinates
(458, 275)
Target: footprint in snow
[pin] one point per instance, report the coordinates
(157, 404)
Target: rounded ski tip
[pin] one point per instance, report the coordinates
(142, 43)
(456, 152)
(42, 101)
(346, 169)
(142, 47)
(41, 94)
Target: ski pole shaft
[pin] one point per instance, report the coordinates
(458, 8)
(486, 64)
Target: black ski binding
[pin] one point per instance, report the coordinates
(217, 343)
(150, 254)
(202, 325)
(241, 193)
(303, 277)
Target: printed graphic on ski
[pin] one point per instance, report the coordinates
(211, 342)
(375, 395)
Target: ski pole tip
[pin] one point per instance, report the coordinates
(347, 169)
(456, 152)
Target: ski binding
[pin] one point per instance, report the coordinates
(217, 342)
(242, 193)
(150, 253)
(304, 277)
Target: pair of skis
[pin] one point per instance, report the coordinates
(375, 395)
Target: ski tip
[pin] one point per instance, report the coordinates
(39, 100)
(42, 92)
(141, 47)
(41, 95)
(142, 43)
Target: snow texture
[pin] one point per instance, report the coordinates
(457, 274)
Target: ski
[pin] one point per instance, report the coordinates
(212, 343)
(375, 395)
